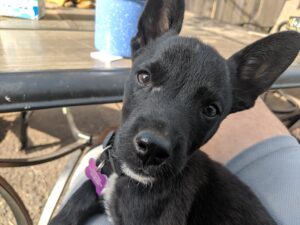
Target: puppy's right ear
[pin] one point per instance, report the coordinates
(158, 17)
(258, 65)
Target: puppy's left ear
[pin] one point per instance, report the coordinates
(158, 17)
(257, 66)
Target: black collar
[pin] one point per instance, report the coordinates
(108, 143)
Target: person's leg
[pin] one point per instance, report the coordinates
(243, 129)
(264, 156)
(271, 168)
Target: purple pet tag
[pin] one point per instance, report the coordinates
(95, 175)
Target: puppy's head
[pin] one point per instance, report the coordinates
(180, 90)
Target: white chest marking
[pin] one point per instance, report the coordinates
(138, 177)
(108, 192)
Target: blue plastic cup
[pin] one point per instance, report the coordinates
(116, 24)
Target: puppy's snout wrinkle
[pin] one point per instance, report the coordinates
(152, 148)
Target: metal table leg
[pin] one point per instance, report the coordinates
(25, 116)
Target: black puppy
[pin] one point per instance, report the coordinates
(179, 92)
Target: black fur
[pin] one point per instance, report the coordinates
(191, 90)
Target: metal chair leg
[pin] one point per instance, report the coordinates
(77, 134)
(59, 188)
(15, 203)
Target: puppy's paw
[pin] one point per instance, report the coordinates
(82, 204)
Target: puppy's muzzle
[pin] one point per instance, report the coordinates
(152, 148)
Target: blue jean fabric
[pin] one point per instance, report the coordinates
(272, 170)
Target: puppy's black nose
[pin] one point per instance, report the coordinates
(151, 148)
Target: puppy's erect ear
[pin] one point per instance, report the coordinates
(257, 66)
(158, 17)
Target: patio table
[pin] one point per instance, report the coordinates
(53, 68)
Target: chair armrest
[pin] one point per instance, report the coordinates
(289, 79)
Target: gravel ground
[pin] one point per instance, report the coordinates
(35, 183)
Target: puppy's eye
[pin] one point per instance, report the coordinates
(211, 111)
(144, 78)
